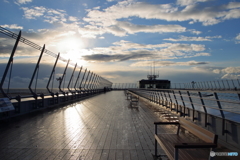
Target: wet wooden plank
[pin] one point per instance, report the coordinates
(104, 154)
(101, 127)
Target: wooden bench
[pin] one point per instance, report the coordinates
(129, 96)
(134, 100)
(180, 147)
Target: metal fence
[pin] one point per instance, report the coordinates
(216, 111)
(225, 105)
(78, 81)
(124, 85)
(226, 84)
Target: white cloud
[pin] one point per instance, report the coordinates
(11, 26)
(167, 63)
(73, 19)
(98, 7)
(125, 50)
(184, 38)
(124, 28)
(192, 12)
(189, 2)
(49, 15)
(193, 31)
(132, 28)
(238, 37)
(228, 72)
(33, 12)
(23, 1)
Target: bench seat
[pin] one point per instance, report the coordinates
(167, 141)
(180, 146)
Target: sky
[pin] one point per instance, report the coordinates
(124, 41)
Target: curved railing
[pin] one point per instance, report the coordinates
(86, 81)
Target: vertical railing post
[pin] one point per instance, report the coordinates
(10, 62)
(50, 78)
(34, 73)
(171, 103)
(234, 87)
(223, 84)
(61, 79)
(77, 80)
(228, 85)
(219, 85)
(211, 84)
(89, 83)
(190, 99)
(162, 101)
(184, 106)
(175, 101)
(238, 84)
(70, 81)
(166, 100)
(221, 111)
(85, 82)
(204, 107)
(94, 83)
(215, 85)
(80, 85)
(98, 82)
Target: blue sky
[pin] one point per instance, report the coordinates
(187, 40)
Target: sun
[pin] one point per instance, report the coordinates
(71, 48)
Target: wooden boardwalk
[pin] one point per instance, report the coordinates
(103, 127)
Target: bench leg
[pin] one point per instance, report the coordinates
(156, 148)
(175, 153)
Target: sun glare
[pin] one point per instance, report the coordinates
(70, 48)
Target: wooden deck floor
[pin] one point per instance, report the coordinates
(102, 127)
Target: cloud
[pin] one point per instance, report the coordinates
(189, 2)
(123, 28)
(125, 50)
(184, 38)
(73, 19)
(189, 11)
(49, 15)
(127, 27)
(118, 57)
(237, 38)
(167, 63)
(12, 26)
(225, 72)
(23, 1)
(193, 31)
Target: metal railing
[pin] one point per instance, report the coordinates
(225, 105)
(124, 85)
(226, 84)
(86, 80)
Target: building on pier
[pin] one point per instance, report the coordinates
(152, 82)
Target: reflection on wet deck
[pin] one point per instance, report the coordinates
(101, 127)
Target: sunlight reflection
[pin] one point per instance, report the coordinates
(73, 120)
